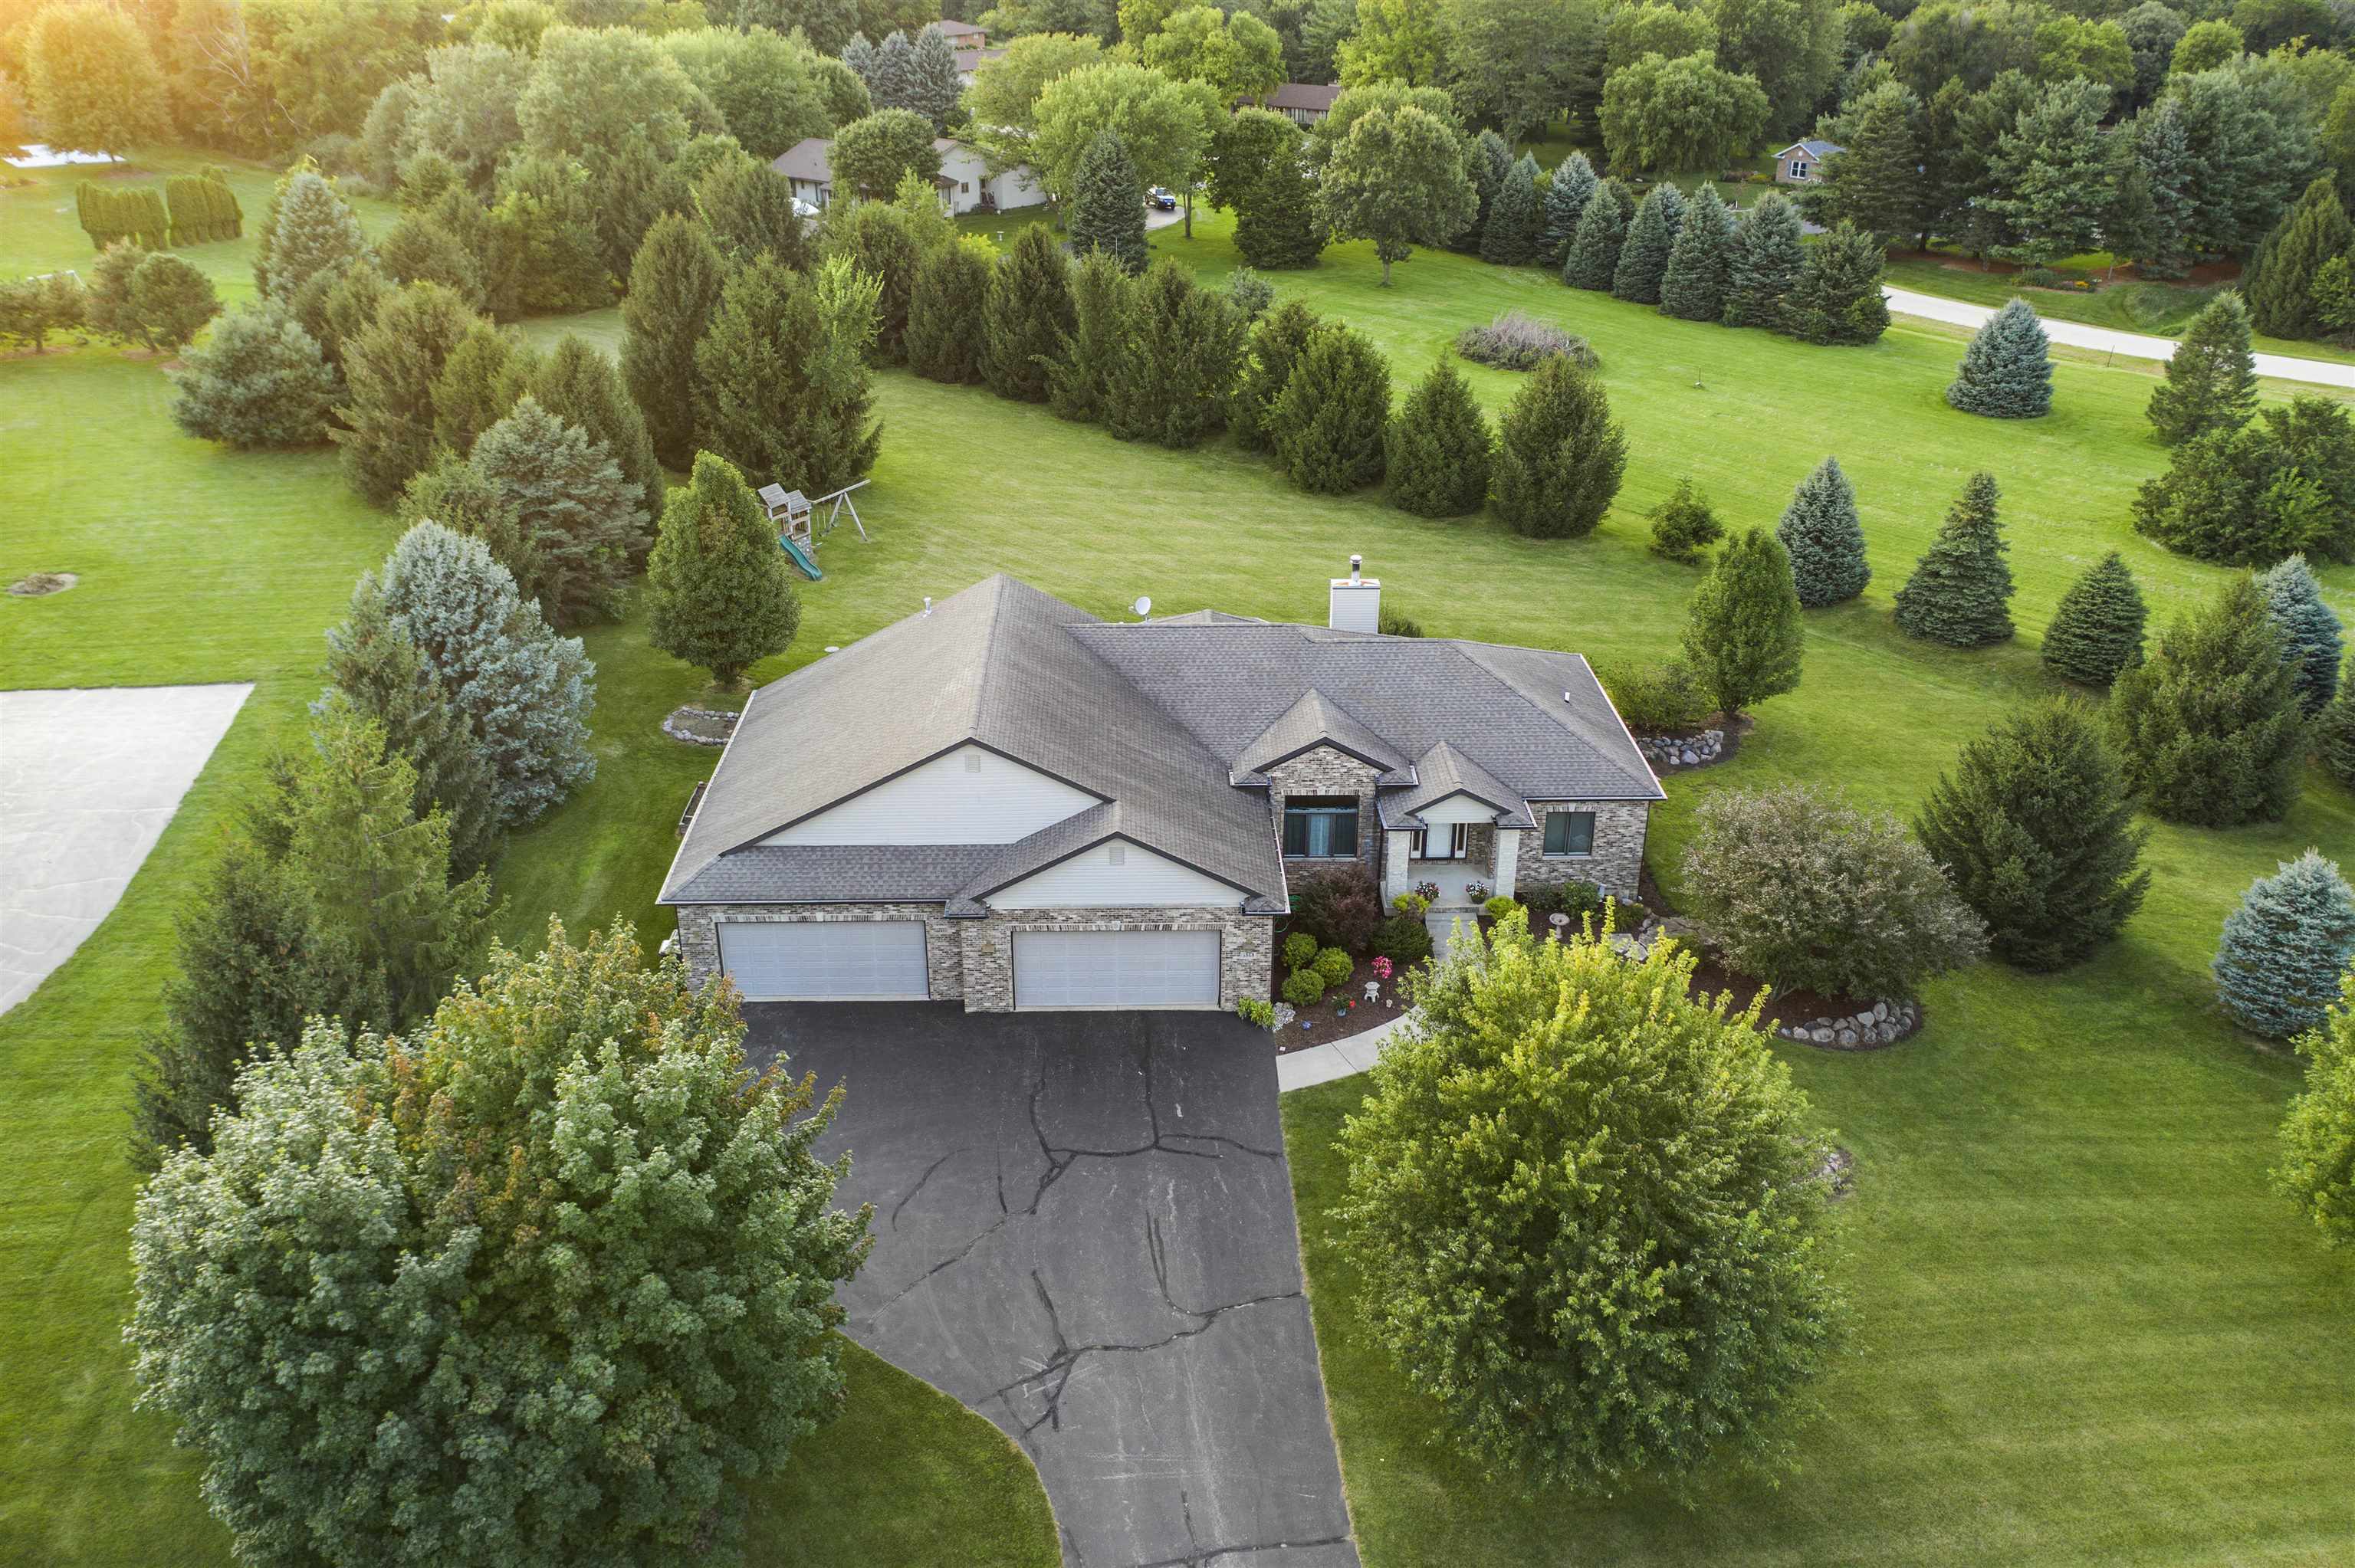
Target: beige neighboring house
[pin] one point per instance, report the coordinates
(966, 184)
(961, 35)
(1301, 102)
(1801, 163)
(971, 59)
(1006, 802)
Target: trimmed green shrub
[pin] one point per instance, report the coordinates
(1329, 420)
(1255, 1010)
(1653, 697)
(1303, 988)
(1439, 449)
(1683, 527)
(2097, 629)
(1496, 908)
(203, 208)
(2285, 947)
(1403, 940)
(1394, 624)
(1335, 965)
(1299, 950)
(110, 213)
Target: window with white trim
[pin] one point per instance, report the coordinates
(1798, 168)
(1457, 847)
(1569, 832)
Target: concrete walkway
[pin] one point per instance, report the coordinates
(1335, 1059)
(2106, 340)
(87, 780)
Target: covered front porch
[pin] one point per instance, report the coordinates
(1473, 858)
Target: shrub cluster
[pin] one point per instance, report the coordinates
(109, 214)
(1654, 698)
(1339, 906)
(204, 208)
(1516, 340)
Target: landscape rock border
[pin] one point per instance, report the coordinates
(1872, 1029)
(681, 722)
(1682, 751)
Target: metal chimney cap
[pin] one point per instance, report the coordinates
(1356, 565)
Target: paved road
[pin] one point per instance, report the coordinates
(2133, 344)
(1084, 1231)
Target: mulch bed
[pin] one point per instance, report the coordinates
(699, 726)
(1322, 1026)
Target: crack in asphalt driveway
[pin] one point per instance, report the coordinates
(1088, 1236)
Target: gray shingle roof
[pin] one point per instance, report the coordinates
(1443, 771)
(1815, 147)
(834, 873)
(1313, 720)
(811, 158)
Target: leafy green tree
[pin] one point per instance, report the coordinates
(93, 79)
(1509, 236)
(719, 593)
(548, 256)
(480, 382)
(869, 155)
(1329, 419)
(1004, 98)
(1026, 314)
(1560, 454)
(369, 1249)
(582, 385)
(1439, 449)
(2035, 827)
(1825, 539)
(2312, 640)
(259, 381)
(1402, 41)
(464, 109)
(1669, 31)
(1529, 1300)
(1878, 182)
(595, 90)
(1259, 172)
(2211, 378)
(2006, 372)
(1661, 116)
(1079, 376)
(783, 387)
(2281, 282)
(2286, 948)
(1768, 256)
(170, 302)
(1178, 368)
(2209, 729)
(1837, 298)
(1397, 179)
(1565, 204)
(1515, 64)
(1164, 126)
(1274, 347)
(1651, 239)
(1683, 526)
(1790, 48)
(314, 232)
(1693, 286)
(768, 86)
(1108, 205)
(2097, 628)
(1594, 249)
(944, 312)
(573, 502)
(389, 369)
(2282, 485)
(1742, 633)
(674, 287)
(2317, 1135)
(525, 693)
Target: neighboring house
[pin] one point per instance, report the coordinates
(971, 59)
(965, 182)
(1801, 163)
(1298, 101)
(961, 35)
(1006, 802)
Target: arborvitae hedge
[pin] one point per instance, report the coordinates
(2097, 630)
(1440, 448)
(1960, 594)
(109, 213)
(204, 209)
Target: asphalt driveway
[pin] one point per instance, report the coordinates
(1084, 1231)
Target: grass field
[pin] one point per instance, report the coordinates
(2086, 1330)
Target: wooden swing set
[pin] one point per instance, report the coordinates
(794, 516)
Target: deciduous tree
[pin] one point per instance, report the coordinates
(1397, 179)
(2317, 1135)
(1661, 116)
(93, 79)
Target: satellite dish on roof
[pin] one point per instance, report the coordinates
(1143, 605)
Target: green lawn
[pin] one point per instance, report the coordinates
(2084, 1321)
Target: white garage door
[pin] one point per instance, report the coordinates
(812, 960)
(1115, 968)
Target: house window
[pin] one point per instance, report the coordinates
(1798, 168)
(1320, 827)
(1569, 832)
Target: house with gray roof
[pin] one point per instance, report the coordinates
(1007, 801)
(1802, 163)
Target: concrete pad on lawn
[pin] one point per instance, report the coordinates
(87, 780)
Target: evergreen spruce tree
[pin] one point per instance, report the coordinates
(2313, 641)
(1825, 539)
(1644, 260)
(259, 381)
(1601, 235)
(2281, 279)
(674, 287)
(265, 233)
(2212, 379)
(2286, 947)
(389, 369)
(582, 385)
(1491, 165)
(1693, 287)
(933, 85)
(1276, 222)
(2006, 372)
(1838, 297)
(525, 693)
(376, 667)
(459, 498)
(778, 398)
(1768, 254)
(1329, 419)
(1509, 237)
(1742, 633)
(2097, 629)
(480, 381)
(1439, 449)
(1179, 364)
(1960, 594)
(314, 232)
(720, 594)
(1026, 314)
(891, 75)
(2035, 829)
(571, 501)
(1108, 204)
(1079, 376)
(2209, 729)
(1565, 203)
(1275, 346)
(1683, 527)
(944, 312)
(1560, 454)
(2334, 734)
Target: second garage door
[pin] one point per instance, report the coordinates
(1115, 968)
(817, 961)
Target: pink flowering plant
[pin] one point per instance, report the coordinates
(1381, 968)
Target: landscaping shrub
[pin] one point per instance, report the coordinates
(1334, 965)
(204, 208)
(1329, 420)
(1742, 631)
(2312, 638)
(1250, 293)
(259, 381)
(2318, 1136)
(2006, 371)
(1339, 906)
(721, 595)
(2286, 947)
(1560, 454)
(1654, 698)
(1180, 360)
(1276, 342)
(2209, 730)
(2036, 829)
(1825, 539)
(1403, 940)
(1303, 988)
(1439, 449)
(1515, 340)
(1532, 1302)
(2282, 485)
(1801, 889)
(1960, 593)
(2097, 629)
(1683, 527)
(111, 213)
(571, 501)
(1255, 1010)
(1394, 624)
(1497, 908)
(1299, 950)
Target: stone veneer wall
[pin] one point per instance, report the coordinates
(699, 943)
(1617, 861)
(1324, 771)
(1246, 946)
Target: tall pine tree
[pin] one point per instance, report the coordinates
(1693, 288)
(2312, 640)
(1768, 254)
(719, 594)
(1565, 203)
(314, 232)
(1560, 454)
(674, 287)
(1440, 448)
(779, 398)
(2281, 281)
(1960, 594)
(580, 385)
(1644, 260)
(1825, 539)
(2006, 371)
(1515, 218)
(389, 369)
(2097, 629)
(1026, 314)
(1594, 259)
(2211, 378)
(1742, 633)
(2334, 734)
(571, 500)
(2210, 729)
(1108, 204)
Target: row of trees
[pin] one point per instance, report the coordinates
(202, 208)
(921, 77)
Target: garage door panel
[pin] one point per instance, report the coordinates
(814, 960)
(1116, 968)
